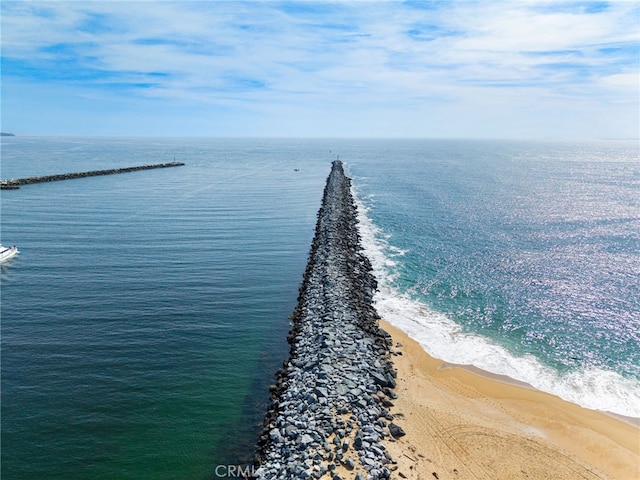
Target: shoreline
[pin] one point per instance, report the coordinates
(359, 399)
(463, 422)
(633, 421)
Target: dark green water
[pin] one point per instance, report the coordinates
(147, 312)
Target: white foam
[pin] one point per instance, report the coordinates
(444, 339)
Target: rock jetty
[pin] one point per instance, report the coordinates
(329, 414)
(15, 183)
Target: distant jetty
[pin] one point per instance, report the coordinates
(15, 183)
(329, 407)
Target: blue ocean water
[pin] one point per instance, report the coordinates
(147, 312)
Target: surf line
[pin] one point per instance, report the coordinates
(16, 183)
(329, 406)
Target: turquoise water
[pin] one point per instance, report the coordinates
(520, 258)
(147, 312)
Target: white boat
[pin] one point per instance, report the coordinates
(8, 252)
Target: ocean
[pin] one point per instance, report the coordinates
(147, 312)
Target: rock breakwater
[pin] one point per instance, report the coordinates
(329, 413)
(15, 183)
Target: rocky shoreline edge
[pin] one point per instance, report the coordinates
(329, 414)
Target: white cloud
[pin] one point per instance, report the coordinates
(383, 59)
(631, 80)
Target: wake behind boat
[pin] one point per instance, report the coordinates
(8, 252)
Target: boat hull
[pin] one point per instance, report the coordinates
(7, 253)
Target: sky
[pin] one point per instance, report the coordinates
(384, 69)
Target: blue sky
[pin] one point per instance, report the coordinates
(434, 69)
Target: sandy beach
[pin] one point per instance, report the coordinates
(463, 425)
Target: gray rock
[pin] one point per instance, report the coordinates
(321, 392)
(339, 361)
(306, 439)
(349, 463)
(396, 431)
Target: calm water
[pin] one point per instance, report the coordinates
(147, 312)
